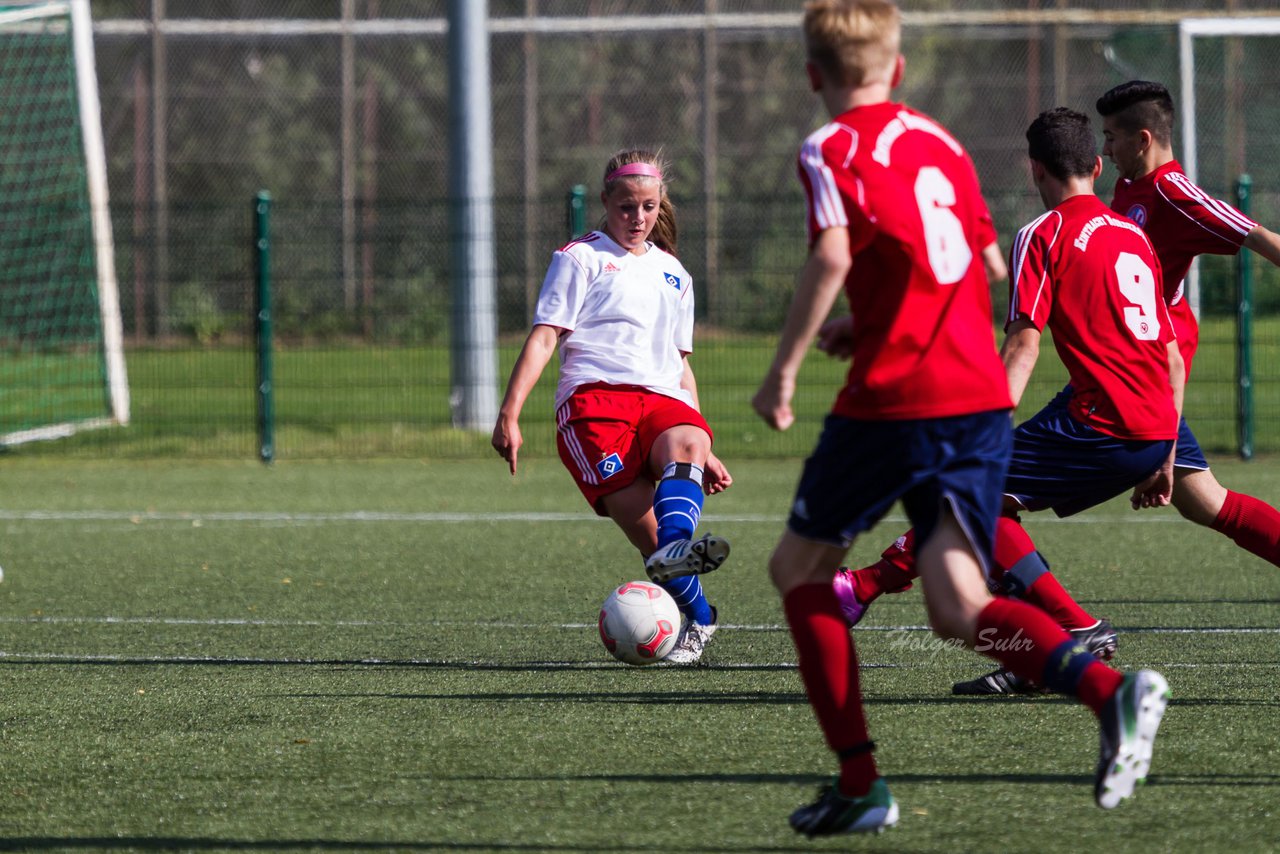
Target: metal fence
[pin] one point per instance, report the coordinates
(340, 109)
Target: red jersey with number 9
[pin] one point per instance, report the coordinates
(1091, 276)
(1183, 221)
(923, 337)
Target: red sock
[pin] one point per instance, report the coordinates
(893, 573)
(1254, 525)
(1013, 543)
(1052, 598)
(1029, 643)
(829, 668)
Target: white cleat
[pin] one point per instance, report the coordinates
(693, 640)
(1129, 723)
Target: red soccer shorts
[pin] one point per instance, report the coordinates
(605, 433)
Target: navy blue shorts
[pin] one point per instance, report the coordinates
(1189, 455)
(860, 468)
(1060, 464)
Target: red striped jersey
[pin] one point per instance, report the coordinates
(923, 337)
(1092, 277)
(1183, 221)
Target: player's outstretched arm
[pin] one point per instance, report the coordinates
(1019, 352)
(1157, 490)
(533, 358)
(821, 279)
(1177, 377)
(1265, 243)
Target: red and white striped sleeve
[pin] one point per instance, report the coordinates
(1030, 270)
(825, 202)
(1207, 224)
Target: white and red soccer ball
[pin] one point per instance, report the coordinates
(639, 623)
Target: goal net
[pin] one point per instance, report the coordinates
(61, 351)
(1230, 71)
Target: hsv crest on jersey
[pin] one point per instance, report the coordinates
(610, 465)
(673, 281)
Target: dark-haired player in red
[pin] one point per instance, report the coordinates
(1092, 277)
(896, 221)
(1184, 221)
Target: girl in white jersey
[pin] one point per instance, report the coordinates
(619, 307)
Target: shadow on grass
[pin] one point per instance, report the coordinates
(712, 698)
(1180, 600)
(720, 698)
(823, 779)
(28, 660)
(186, 843)
(641, 698)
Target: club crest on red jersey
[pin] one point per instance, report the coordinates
(1138, 214)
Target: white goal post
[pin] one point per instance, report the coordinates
(38, 41)
(1189, 29)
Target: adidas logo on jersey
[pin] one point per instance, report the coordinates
(610, 267)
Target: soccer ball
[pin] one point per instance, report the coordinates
(639, 623)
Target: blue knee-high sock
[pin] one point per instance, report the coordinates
(687, 592)
(677, 504)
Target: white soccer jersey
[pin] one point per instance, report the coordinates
(629, 317)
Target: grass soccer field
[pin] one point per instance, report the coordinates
(402, 656)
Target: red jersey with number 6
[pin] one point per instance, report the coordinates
(1092, 277)
(1183, 221)
(923, 338)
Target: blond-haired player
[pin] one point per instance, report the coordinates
(618, 306)
(896, 220)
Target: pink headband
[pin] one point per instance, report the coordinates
(644, 170)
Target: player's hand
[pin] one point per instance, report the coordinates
(835, 338)
(715, 477)
(507, 440)
(1155, 491)
(773, 402)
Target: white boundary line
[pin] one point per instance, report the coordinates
(136, 516)
(484, 664)
(501, 624)
(460, 664)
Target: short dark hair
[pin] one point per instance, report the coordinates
(1062, 140)
(1140, 105)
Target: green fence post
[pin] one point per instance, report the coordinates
(262, 324)
(1244, 331)
(577, 211)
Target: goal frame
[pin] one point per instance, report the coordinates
(117, 383)
(1189, 29)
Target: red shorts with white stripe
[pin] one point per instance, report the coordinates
(605, 433)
